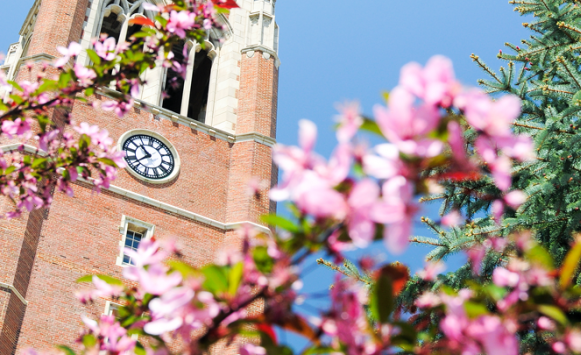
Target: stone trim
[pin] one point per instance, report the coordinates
(163, 113)
(26, 148)
(179, 211)
(15, 291)
(266, 53)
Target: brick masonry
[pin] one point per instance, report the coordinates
(45, 251)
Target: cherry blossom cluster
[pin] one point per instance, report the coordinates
(35, 108)
(423, 124)
(527, 295)
(175, 300)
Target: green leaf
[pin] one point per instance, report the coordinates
(475, 310)
(108, 279)
(382, 301)
(235, 278)
(281, 222)
(89, 341)
(540, 256)
(15, 85)
(107, 161)
(66, 349)
(183, 268)
(65, 79)
(94, 56)
(495, 292)
(370, 125)
(216, 281)
(554, 312)
(570, 264)
(38, 162)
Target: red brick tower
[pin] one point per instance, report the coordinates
(212, 135)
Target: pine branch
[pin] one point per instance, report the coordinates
(484, 67)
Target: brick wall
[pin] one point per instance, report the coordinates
(45, 252)
(258, 95)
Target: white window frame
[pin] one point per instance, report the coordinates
(132, 224)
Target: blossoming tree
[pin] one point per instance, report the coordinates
(434, 132)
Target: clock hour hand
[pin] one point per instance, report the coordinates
(146, 152)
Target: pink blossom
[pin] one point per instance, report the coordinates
(155, 279)
(386, 164)
(501, 172)
(294, 161)
(180, 22)
(502, 277)
(47, 138)
(166, 310)
(349, 121)
(362, 200)
(493, 335)
(545, 323)
(84, 75)
(105, 290)
(106, 49)
(314, 196)
(251, 349)
(432, 270)
(256, 185)
(573, 340)
(148, 253)
(435, 83)
(476, 255)
(428, 300)
(19, 127)
(73, 50)
(452, 219)
(397, 211)
(492, 117)
(515, 198)
(559, 347)
(150, 7)
(121, 108)
(407, 126)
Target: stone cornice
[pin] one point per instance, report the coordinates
(179, 211)
(23, 148)
(144, 199)
(193, 124)
(265, 51)
(14, 291)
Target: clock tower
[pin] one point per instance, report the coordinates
(190, 157)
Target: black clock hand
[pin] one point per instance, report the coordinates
(146, 152)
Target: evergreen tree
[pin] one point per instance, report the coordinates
(545, 73)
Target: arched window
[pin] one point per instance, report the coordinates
(187, 92)
(111, 26)
(115, 18)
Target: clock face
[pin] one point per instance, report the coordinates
(148, 156)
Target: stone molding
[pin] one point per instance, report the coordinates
(15, 291)
(165, 114)
(25, 148)
(180, 211)
(266, 53)
(141, 198)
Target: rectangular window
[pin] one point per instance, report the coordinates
(133, 231)
(132, 240)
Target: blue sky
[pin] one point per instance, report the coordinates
(336, 50)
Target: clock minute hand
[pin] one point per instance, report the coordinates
(146, 156)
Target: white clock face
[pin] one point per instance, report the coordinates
(148, 156)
